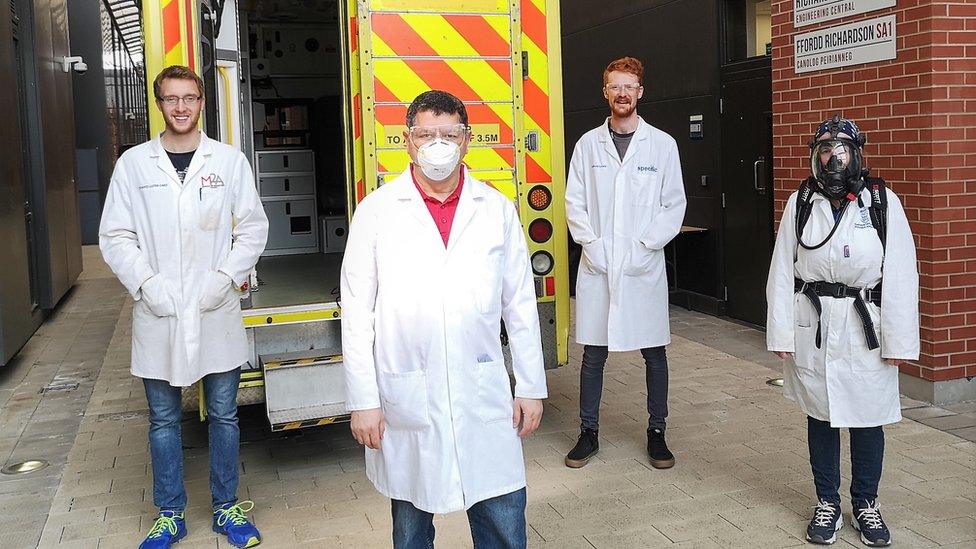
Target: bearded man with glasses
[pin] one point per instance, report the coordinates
(625, 200)
(435, 261)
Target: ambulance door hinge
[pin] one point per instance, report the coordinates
(721, 105)
(725, 293)
(525, 65)
(532, 141)
(723, 201)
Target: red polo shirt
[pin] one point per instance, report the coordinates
(442, 212)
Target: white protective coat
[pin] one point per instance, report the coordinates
(420, 339)
(623, 214)
(843, 382)
(186, 322)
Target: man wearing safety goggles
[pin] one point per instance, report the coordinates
(435, 261)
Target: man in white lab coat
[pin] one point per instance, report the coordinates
(435, 261)
(182, 227)
(625, 200)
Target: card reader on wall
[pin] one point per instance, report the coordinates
(695, 126)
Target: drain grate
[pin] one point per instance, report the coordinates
(57, 388)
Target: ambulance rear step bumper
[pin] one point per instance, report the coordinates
(303, 389)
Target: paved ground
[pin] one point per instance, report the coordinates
(742, 478)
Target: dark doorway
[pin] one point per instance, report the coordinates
(747, 168)
(747, 157)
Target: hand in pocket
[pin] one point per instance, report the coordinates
(594, 259)
(216, 287)
(158, 296)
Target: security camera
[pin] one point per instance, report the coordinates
(76, 62)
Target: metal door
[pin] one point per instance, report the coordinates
(747, 168)
(471, 51)
(19, 315)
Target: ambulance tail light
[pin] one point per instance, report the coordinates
(540, 230)
(542, 263)
(539, 198)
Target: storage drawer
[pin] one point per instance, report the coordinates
(287, 185)
(285, 161)
(291, 224)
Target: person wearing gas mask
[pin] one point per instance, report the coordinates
(842, 299)
(435, 261)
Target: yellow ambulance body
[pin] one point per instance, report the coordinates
(502, 58)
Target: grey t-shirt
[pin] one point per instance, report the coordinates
(620, 140)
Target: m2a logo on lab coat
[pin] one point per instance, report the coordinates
(212, 180)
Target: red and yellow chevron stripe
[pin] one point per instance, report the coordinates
(468, 54)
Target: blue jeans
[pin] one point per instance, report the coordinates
(591, 385)
(166, 441)
(867, 456)
(498, 522)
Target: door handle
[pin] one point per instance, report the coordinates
(755, 175)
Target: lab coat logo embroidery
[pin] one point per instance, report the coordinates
(652, 169)
(865, 221)
(212, 180)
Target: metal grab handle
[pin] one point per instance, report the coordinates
(755, 174)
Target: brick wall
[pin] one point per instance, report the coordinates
(919, 113)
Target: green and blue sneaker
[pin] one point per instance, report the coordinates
(231, 520)
(168, 529)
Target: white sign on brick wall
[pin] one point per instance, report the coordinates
(851, 44)
(808, 12)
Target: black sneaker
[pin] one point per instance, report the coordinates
(657, 450)
(867, 520)
(586, 447)
(825, 523)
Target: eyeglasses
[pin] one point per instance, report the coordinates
(188, 100)
(623, 88)
(421, 135)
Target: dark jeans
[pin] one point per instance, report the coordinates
(591, 385)
(498, 522)
(166, 440)
(867, 455)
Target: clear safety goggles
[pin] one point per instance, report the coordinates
(629, 89)
(421, 135)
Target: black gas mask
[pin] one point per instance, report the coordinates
(835, 159)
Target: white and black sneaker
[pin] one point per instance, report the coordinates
(825, 523)
(867, 520)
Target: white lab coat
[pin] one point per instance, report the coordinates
(420, 339)
(843, 382)
(186, 322)
(623, 214)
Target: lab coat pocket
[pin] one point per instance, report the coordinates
(645, 187)
(640, 260)
(594, 257)
(802, 310)
(217, 290)
(404, 396)
(489, 290)
(210, 212)
(495, 401)
(158, 295)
